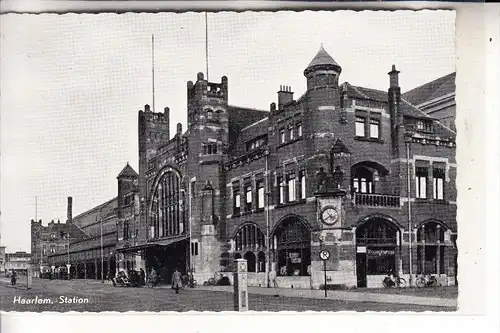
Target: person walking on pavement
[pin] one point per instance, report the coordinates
(13, 278)
(176, 281)
(143, 277)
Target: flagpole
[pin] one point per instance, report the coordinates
(206, 42)
(153, 67)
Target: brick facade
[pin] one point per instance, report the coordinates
(273, 162)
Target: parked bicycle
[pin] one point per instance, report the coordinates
(188, 280)
(427, 281)
(394, 281)
(215, 279)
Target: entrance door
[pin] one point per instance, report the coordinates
(361, 269)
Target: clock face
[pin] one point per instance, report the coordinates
(329, 215)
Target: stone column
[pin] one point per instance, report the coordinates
(85, 270)
(240, 285)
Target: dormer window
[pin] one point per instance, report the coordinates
(424, 125)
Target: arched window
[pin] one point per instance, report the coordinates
(210, 114)
(431, 248)
(293, 245)
(249, 236)
(167, 213)
(362, 180)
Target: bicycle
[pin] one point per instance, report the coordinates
(215, 279)
(397, 282)
(427, 281)
(189, 281)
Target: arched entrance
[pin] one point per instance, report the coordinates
(431, 248)
(251, 261)
(292, 239)
(377, 242)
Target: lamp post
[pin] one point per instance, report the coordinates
(268, 223)
(102, 252)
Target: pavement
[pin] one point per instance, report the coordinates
(105, 297)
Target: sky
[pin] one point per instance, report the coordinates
(71, 85)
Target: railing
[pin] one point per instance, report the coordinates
(376, 200)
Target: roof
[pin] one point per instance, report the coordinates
(127, 171)
(440, 87)
(407, 108)
(240, 118)
(381, 96)
(322, 58)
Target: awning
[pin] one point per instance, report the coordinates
(154, 243)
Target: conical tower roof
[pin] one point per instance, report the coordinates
(322, 58)
(127, 171)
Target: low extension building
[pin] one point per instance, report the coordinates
(18, 262)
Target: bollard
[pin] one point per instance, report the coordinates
(240, 285)
(29, 278)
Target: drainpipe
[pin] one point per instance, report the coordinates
(408, 174)
(268, 240)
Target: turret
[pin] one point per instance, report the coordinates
(322, 71)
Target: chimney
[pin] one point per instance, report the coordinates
(179, 129)
(285, 96)
(70, 210)
(147, 108)
(394, 99)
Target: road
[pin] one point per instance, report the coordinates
(104, 297)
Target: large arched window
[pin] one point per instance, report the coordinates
(430, 248)
(166, 210)
(249, 237)
(293, 245)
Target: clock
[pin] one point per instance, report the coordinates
(329, 215)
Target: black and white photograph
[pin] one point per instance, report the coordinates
(229, 161)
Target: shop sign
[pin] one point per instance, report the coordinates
(380, 253)
(361, 249)
(294, 257)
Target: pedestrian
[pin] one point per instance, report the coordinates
(272, 278)
(13, 278)
(176, 281)
(143, 277)
(153, 277)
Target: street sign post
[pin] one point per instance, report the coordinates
(324, 255)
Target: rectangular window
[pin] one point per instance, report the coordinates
(438, 180)
(194, 248)
(421, 182)
(428, 126)
(302, 179)
(248, 197)
(44, 250)
(360, 126)
(291, 187)
(299, 130)
(420, 125)
(282, 136)
(374, 128)
(52, 249)
(236, 201)
(290, 133)
(260, 194)
(210, 149)
(281, 186)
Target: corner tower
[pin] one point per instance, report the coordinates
(322, 71)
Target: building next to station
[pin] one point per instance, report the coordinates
(46, 241)
(353, 170)
(437, 99)
(18, 262)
